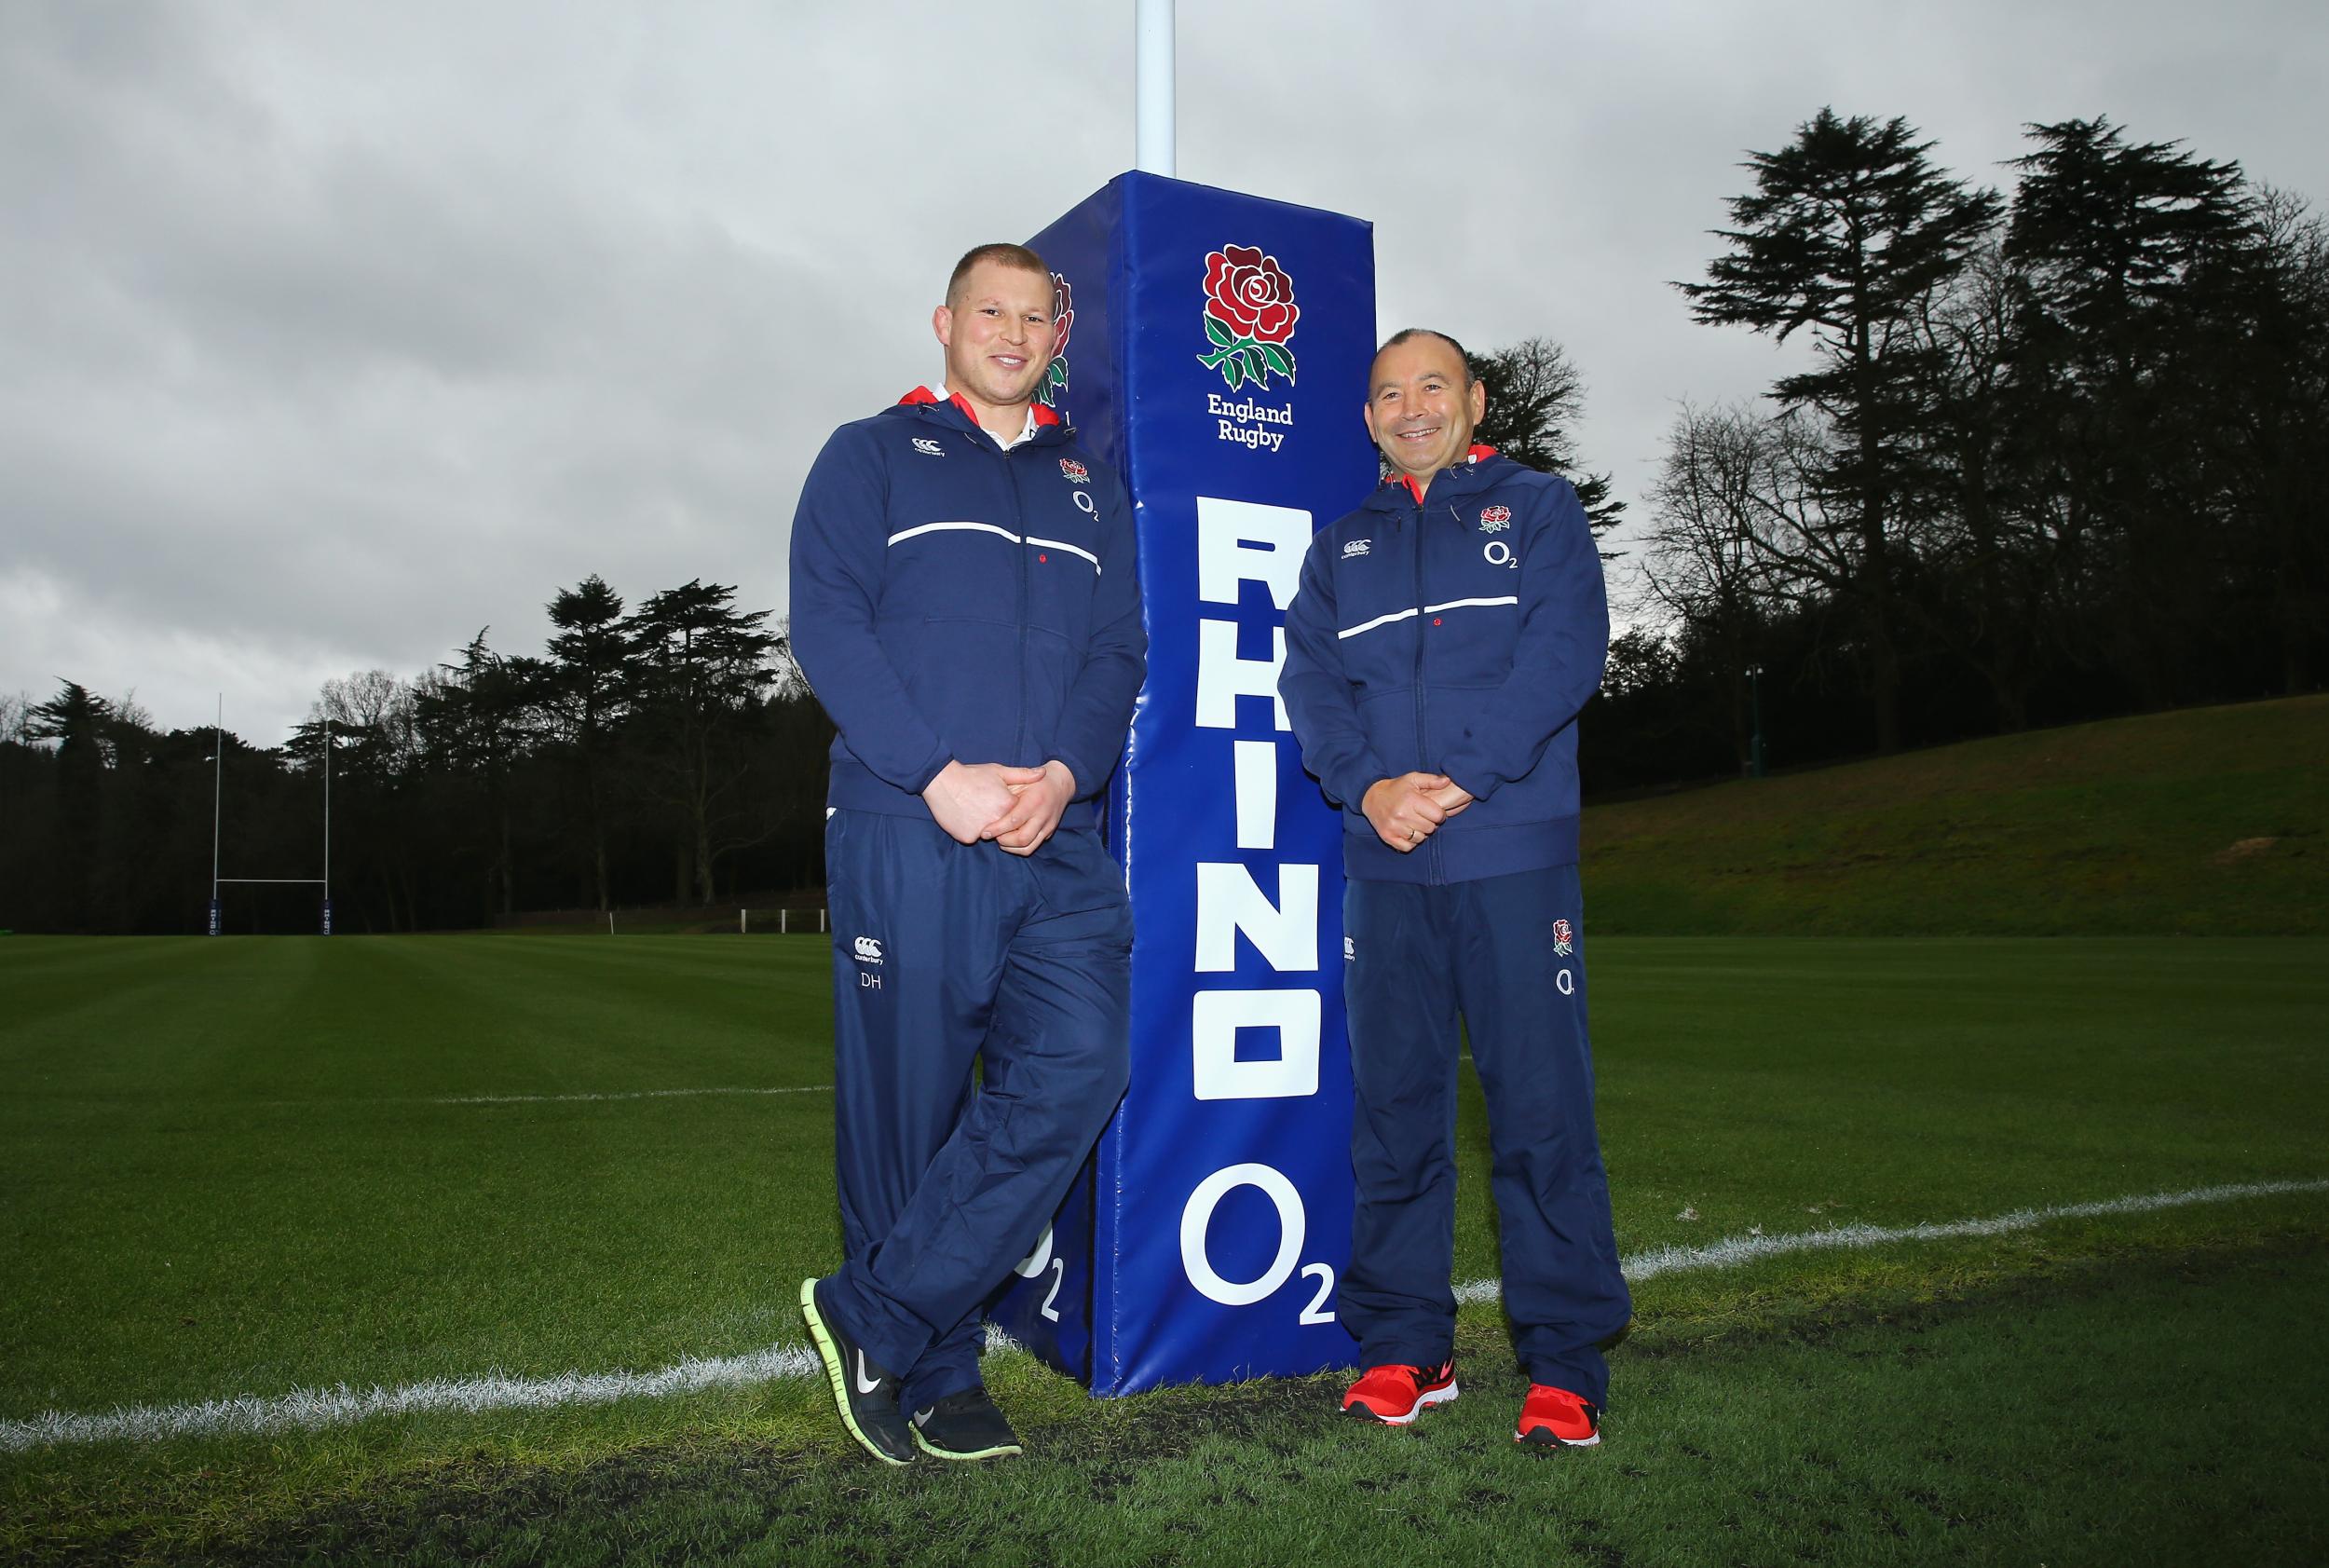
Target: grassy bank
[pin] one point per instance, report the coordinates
(2208, 822)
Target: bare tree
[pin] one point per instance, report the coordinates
(377, 744)
(376, 704)
(2281, 426)
(1993, 543)
(1704, 560)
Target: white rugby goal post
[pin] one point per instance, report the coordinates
(218, 786)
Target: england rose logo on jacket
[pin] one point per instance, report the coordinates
(1565, 938)
(1250, 313)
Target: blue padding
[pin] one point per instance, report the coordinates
(1223, 1116)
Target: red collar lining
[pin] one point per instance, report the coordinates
(1408, 480)
(1045, 413)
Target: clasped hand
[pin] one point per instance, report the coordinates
(1408, 809)
(1018, 808)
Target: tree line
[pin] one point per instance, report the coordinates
(2057, 454)
(666, 754)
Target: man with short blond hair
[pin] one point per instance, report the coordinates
(964, 602)
(1000, 254)
(1441, 641)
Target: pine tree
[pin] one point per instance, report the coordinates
(587, 684)
(1848, 227)
(2132, 259)
(81, 723)
(702, 667)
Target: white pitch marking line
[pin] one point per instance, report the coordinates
(636, 1094)
(311, 1408)
(1736, 1251)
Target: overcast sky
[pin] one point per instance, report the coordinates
(330, 333)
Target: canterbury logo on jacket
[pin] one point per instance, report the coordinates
(952, 601)
(1457, 635)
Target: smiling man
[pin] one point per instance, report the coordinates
(1443, 638)
(963, 601)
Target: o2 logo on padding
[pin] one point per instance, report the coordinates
(1032, 1267)
(1293, 1227)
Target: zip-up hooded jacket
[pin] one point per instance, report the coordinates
(952, 601)
(1458, 635)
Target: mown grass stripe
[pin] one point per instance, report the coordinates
(309, 1409)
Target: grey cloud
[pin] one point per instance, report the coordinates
(331, 334)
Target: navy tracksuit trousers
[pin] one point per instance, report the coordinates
(1490, 951)
(945, 954)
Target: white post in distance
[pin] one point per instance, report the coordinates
(1152, 87)
(218, 780)
(327, 827)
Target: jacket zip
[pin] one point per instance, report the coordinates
(1018, 515)
(1423, 737)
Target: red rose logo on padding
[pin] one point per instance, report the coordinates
(1063, 315)
(1249, 294)
(1250, 313)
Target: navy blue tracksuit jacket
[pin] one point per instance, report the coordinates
(954, 601)
(1460, 635)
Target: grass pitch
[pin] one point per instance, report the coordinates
(249, 1167)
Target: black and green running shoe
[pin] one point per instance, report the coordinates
(864, 1390)
(964, 1425)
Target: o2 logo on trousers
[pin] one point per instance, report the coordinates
(1293, 1226)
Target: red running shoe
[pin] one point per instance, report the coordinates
(1556, 1418)
(1394, 1396)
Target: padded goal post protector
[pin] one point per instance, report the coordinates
(1214, 352)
